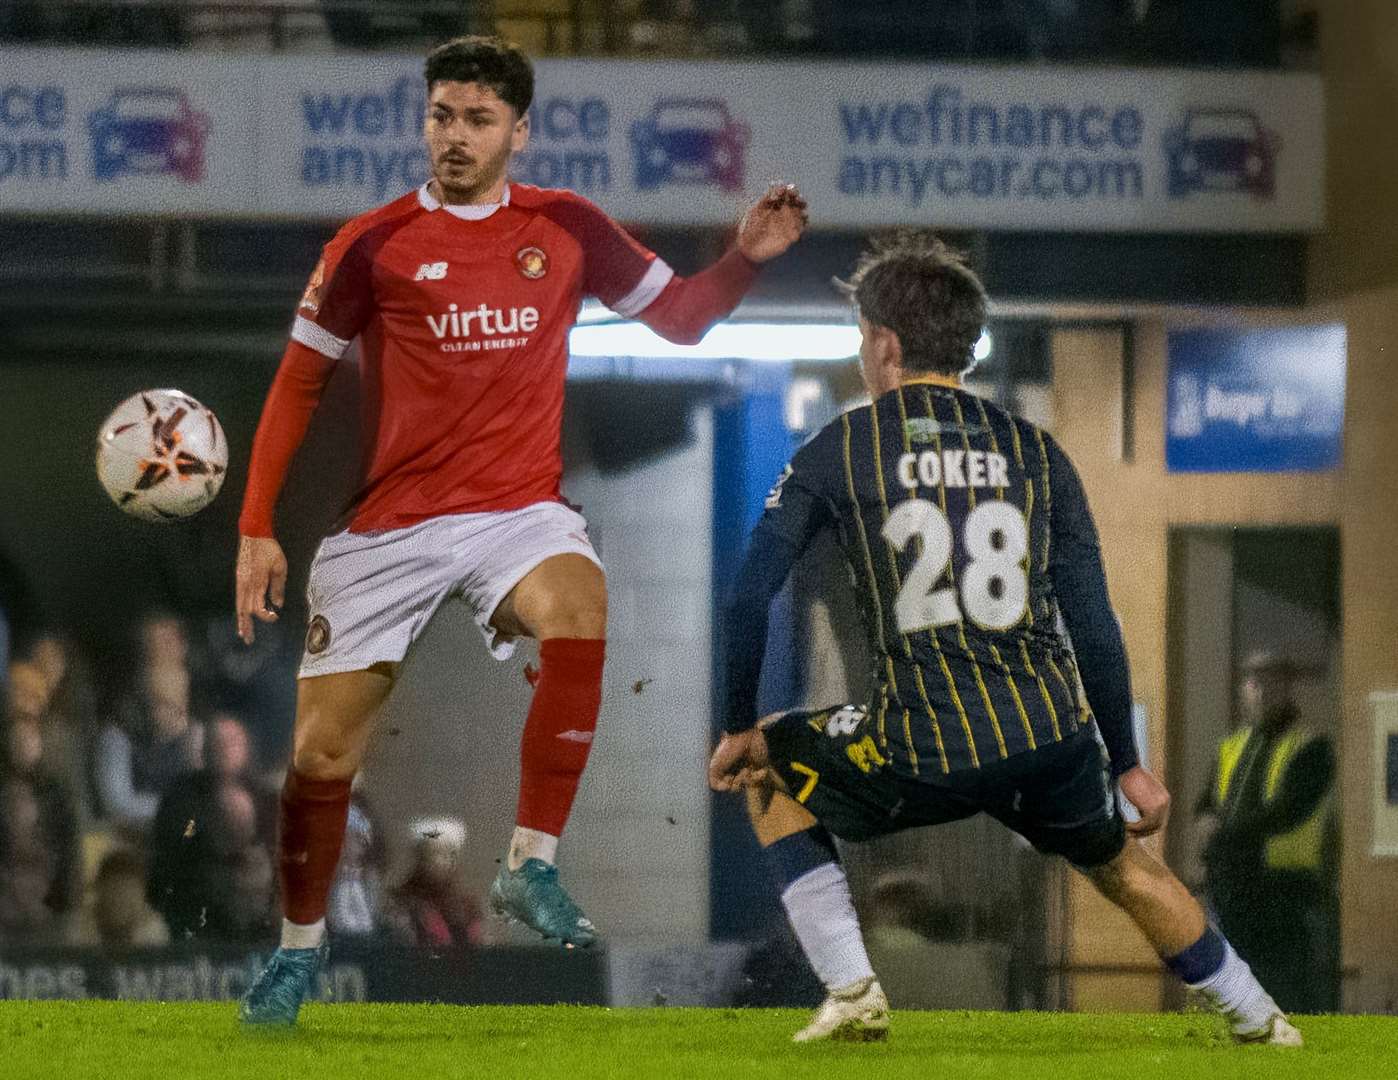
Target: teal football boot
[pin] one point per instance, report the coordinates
(533, 896)
(275, 998)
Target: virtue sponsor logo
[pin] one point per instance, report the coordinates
(482, 327)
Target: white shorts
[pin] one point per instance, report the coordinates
(370, 594)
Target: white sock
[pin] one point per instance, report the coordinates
(531, 844)
(822, 914)
(302, 935)
(1236, 990)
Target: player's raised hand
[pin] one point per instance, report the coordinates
(773, 224)
(1147, 795)
(738, 761)
(261, 574)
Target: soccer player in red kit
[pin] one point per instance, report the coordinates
(461, 294)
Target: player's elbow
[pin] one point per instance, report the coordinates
(684, 335)
(675, 325)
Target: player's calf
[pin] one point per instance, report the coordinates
(801, 856)
(557, 740)
(1195, 951)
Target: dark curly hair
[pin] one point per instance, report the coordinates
(910, 282)
(490, 61)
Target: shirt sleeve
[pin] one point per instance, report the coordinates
(286, 414)
(795, 511)
(617, 268)
(339, 297)
(337, 304)
(1080, 585)
(637, 284)
(687, 307)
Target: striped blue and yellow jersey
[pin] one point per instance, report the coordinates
(967, 533)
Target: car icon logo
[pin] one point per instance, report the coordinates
(689, 141)
(1221, 150)
(148, 130)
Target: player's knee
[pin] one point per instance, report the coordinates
(1109, 879)
(571, 617)
(332, 760)
(1122, 878)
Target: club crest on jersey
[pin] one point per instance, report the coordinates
(318, 635)
(431, 272)
(923, 429)
(533, 262)
(310, 299)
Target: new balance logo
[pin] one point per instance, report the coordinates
(431, 272)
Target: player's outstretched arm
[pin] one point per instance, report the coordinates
(261, 582)
(1143, 790)
(261, 567)
(739, 761)
(1080, 585)
(687, 307)
(795, 511)
(773, 223)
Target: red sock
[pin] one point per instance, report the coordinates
(313, 816)
(558, 731)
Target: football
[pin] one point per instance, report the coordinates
(161, 455)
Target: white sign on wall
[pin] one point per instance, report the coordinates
(114, 133)
(680, 142)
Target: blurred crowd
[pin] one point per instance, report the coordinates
(140, 815)
(1229, 32)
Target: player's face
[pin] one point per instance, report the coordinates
(471, 134)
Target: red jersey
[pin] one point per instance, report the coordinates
(463, 315)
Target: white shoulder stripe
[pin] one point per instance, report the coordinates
(318, 338)
(651, 285)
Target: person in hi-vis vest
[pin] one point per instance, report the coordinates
(1270, 855)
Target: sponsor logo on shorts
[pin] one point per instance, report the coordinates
(574, 735)
(533, 262)
(318, 635)
(845, 721)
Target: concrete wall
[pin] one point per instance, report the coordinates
(1137, 503)
(1369, 638)
(636, 850)
(1201, 667)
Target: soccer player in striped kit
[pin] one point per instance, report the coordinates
(967, 534)
(461, 294)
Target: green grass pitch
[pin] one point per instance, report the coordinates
(119, 1041)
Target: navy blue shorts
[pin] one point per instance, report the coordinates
(1059, 797)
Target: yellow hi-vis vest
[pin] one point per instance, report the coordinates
(1304, 847)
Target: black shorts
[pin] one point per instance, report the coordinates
(1060, 797)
